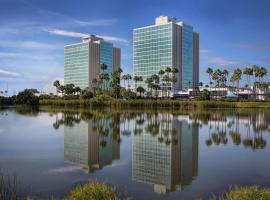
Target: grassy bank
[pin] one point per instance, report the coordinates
(105, 101)
(245, 193)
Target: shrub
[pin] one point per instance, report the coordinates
(245, 193)
(27, 97)
(204, 95)
(92, 191)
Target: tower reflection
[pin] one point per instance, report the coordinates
(91, 144)
(165, 153)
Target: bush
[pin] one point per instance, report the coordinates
(92, 191)
(86, 94)
(246, 193)
(27, 97)
(204, 95)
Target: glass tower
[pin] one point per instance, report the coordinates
(168, 43)
(152, 50)
(83, 61)
(76, 65)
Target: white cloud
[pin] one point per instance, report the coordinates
(79, 35)
(114, 39)
(217, 61)
(66, 33)
(98, 22)
(8, 74)
(68, 21)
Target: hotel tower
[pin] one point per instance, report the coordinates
(168, 43)
(83, 60)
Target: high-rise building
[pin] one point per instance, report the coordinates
(168, 43)
(83, 61)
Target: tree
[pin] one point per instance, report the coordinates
(248, 72)
(137, 79)
(161, 73)
(103, 67)
(236, 76)
(69, 89)
(141, 90)
(155, 85)
(216, 76)
(77, 90)
(129, 77)
(86, 93)
(166, 79)
(27, 97)
(62, 89)
(56, 84)
(126, 77)
(225, 75)
(174, 78)
(94, 85)
(116, 82)
(149, 82)
(209, 71)
(262, 73)
(255, 70)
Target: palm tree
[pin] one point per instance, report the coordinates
(155, 86)
(209, 71)
(236, 76)
(262, 73)
(137, 79)
(124, 77)
(225, 73)
(140, 90)
(248, 72)
(127, 77)
(161, 73)
(149, 82)
(255, 70)
(56, 84)
(77, 90)
(103, 67)
(216, 77)
(174, 78)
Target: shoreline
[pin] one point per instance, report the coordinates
(154, 103)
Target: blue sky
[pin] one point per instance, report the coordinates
(33, 33)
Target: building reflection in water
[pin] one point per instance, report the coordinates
(91, 144)
(165, 152)
(164, 146)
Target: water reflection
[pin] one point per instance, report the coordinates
(251, 136)
(91, 141)
(165, 153)
(165, 147)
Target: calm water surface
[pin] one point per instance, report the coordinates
(146, 155)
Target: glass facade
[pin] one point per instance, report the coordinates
(152, 50)
(187, 56)
(106, 57)
(77, 65)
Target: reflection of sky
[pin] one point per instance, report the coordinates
(34, 150)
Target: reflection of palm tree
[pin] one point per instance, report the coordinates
(208, 141)
(236, 137)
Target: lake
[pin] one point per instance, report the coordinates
(144, 154)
